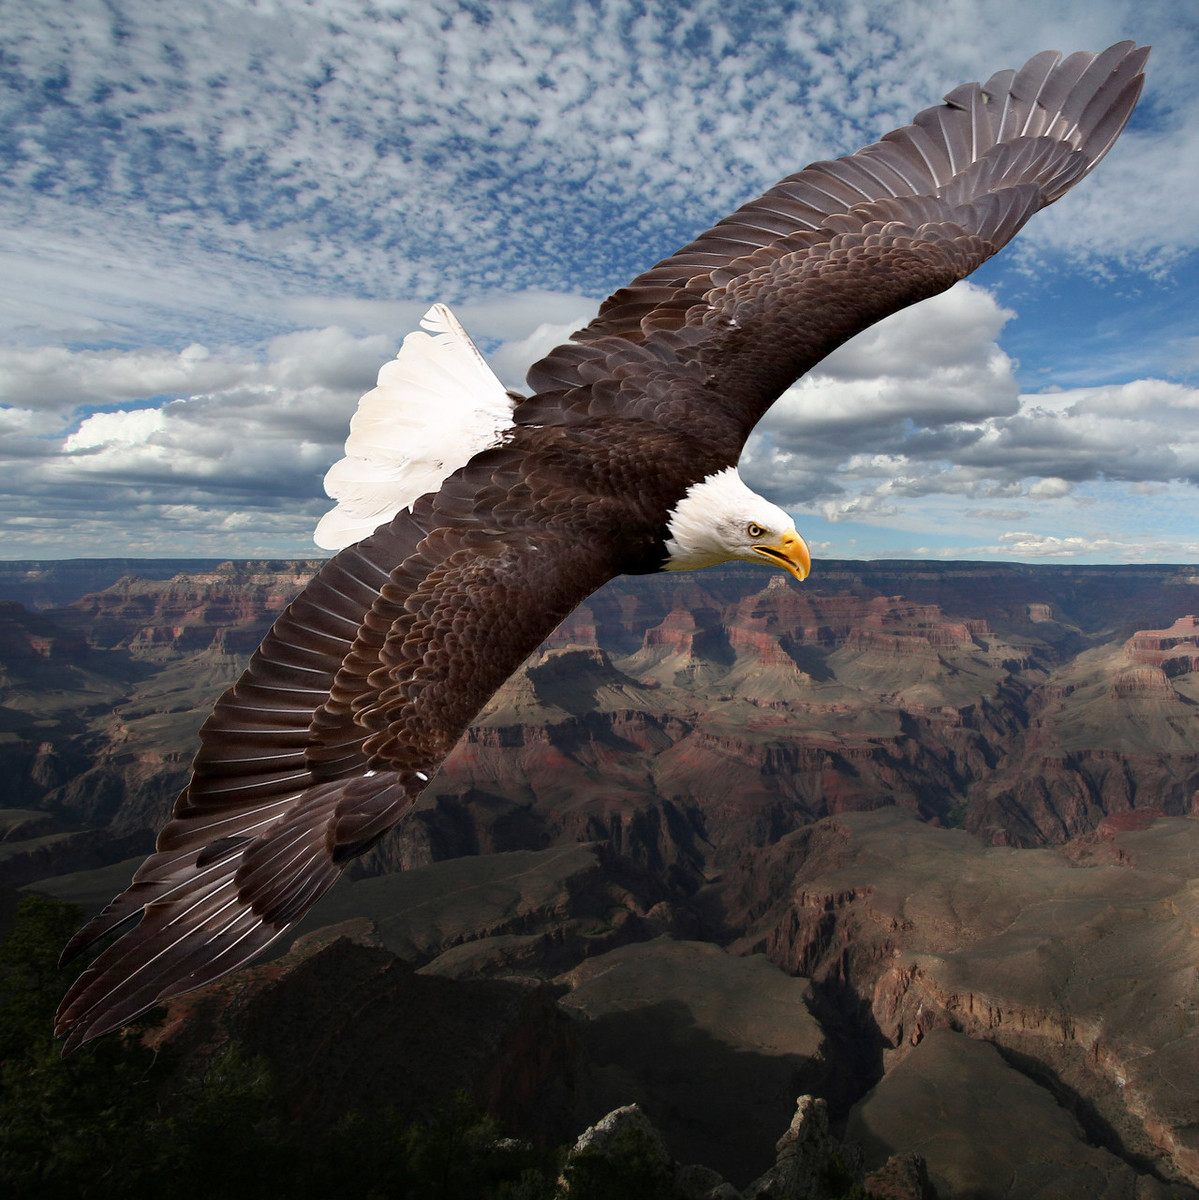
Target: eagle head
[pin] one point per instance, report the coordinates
(720, 519)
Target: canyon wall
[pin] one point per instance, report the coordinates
(939, 811)
(680, 718)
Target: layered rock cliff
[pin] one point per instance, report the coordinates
(679, 718)
(1078, 967)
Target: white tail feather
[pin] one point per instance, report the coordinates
(437, 404)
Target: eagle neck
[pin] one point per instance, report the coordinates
(691, 542)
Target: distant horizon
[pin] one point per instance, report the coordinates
(763, 569)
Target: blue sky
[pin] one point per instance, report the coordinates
(220, 218)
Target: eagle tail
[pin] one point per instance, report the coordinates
(436, 405)
(207, 909)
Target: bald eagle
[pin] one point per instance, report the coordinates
(474, 520)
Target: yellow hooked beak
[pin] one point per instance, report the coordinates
(790, 552)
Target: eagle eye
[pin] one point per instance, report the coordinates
(755, 530)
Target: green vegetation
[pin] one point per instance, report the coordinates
(839, 1182)
(62, 1124)
(955, 818)
(115, 1120)
(631, 1169)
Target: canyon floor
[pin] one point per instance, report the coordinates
(914, 838)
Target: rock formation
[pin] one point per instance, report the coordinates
(1079, 968)
(681, 719)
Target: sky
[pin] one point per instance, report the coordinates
(218, 219)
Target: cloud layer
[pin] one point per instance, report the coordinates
(919, 424)
(390, 150)
(221, 218)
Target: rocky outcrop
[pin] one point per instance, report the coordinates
(810, 1162)
(226, 608)
(986, 1131)
(623, 1153)
(1176, 649)
(1113, 729)
(901, 1177)
(1082, 976)
(710, 1045)
(50, 584)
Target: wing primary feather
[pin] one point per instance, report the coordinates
(1109, 127)
(195, 829)
(252, 923)
(109, 919)
(1093, 78)
(1035, 76)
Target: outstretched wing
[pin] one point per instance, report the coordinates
(358, 692)
(708, 338)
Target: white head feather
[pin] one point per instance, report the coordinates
(720, 519)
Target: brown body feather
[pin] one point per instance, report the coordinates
(370, 677)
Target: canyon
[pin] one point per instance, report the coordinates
(917, 838)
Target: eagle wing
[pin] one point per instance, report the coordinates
(708, 338)
(358, 692)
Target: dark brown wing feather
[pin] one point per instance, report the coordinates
(708, 338)
(369, 678)
(356, 695)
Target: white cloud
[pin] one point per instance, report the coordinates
(413, 152)
(272, 428)
(240, 461)
(1041, 545)
(1003, 515)
(932, 372)
(55, 378)
(864, 506)
(931, 366)
(108, 431)
(1050, 489)
(926, 402)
